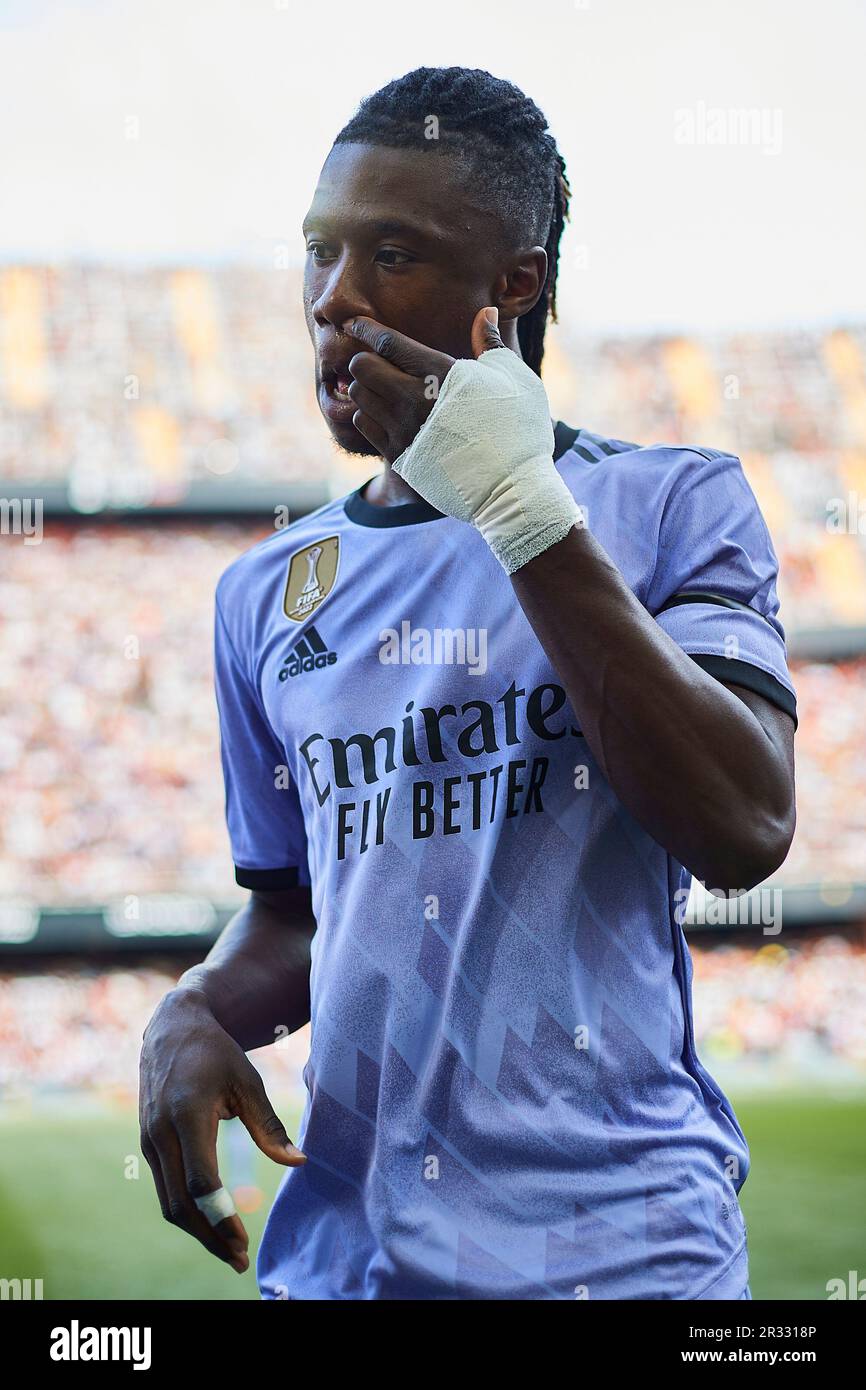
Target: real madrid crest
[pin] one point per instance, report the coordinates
(312, 576)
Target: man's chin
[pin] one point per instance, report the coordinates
(352, 441)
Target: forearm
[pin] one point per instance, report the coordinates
(256, 977)
(678, 749)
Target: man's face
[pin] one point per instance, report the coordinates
(395, 235)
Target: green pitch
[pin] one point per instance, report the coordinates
(74, 1213)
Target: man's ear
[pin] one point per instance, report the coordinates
(524, 282)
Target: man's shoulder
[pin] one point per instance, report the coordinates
(590, 447)
(601, 462)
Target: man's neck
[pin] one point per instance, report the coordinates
(388, 489)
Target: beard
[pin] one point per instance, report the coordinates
(355, 444)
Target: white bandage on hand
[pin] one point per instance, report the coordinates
(216, 1206)
(485, 455)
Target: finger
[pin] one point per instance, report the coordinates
(485, 331)
(366, 399)
(379, 376)
(153, 1163)
(182, 1211)
(236, 1254)
(372, 430)
(388, 384)
(406, 353)
(197, 1136)
(267, 1130)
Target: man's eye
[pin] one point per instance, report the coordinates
(387, 255)
(403, 256)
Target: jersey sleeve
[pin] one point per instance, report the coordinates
(263, 810)
(714, 586)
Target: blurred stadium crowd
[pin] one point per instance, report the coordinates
(154, 378)
(802, 1006)
(79, 1030)
(108, 739)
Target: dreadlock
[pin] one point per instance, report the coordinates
(478, 118)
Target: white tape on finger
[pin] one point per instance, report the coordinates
(216, 1206)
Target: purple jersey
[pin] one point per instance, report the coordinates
(503, 1095)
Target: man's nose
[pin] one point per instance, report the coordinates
(341, 296)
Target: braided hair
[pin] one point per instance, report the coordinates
(478, 120)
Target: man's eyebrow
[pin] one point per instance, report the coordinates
(392, 226)
(385, 226)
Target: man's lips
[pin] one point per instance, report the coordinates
(334, 398)
(335, 377)
(339, 386)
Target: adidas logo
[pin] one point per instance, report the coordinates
(309, 653)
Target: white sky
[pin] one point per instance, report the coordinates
(239, 100)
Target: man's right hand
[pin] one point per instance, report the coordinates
(193, 1074)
